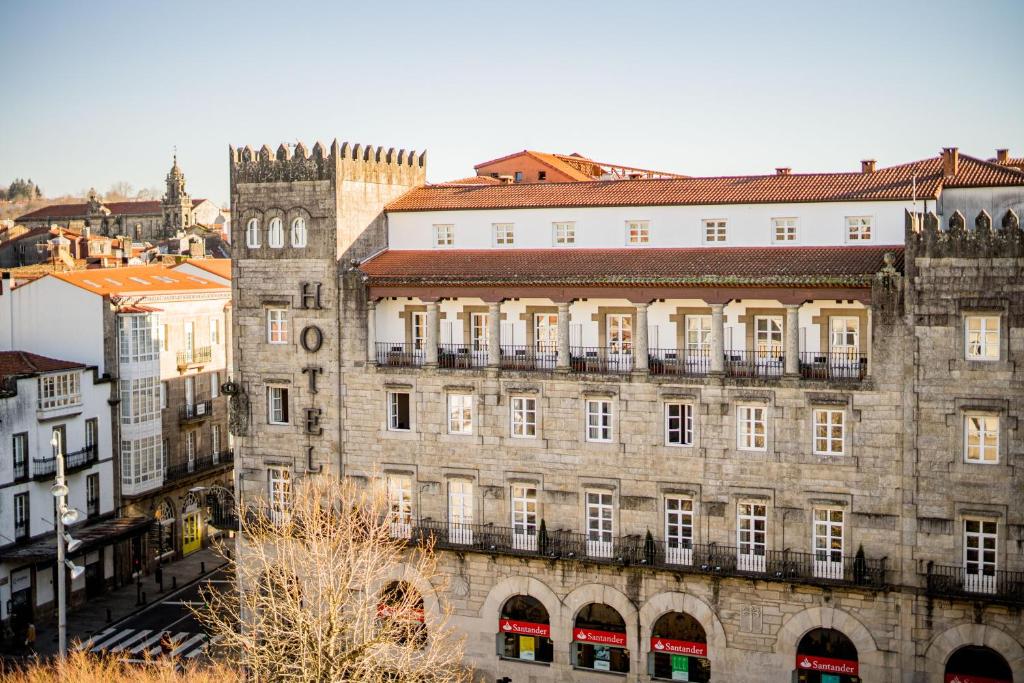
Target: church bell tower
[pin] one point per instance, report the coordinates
(176, 204)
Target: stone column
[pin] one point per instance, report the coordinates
(433, 332)
(640, 350)
(718, 338)
(563, 336)
(494, 334)
(371, 332)
(792, 340)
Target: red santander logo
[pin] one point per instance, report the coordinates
(828, 665)
(679, 647)
(525, 628)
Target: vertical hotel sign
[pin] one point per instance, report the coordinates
(311, 339)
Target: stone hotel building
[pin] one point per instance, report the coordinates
(757, 428)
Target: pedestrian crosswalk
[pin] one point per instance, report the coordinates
(139, 643)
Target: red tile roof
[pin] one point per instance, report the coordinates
(696, 266)
(549, 160)
(474, 180)
(218, 266)
(892, 183)
(25, 363)
(138, 280)
(143, 208)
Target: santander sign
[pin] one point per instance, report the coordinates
(832, 666)
(589, 635)
(525, 628)
(678, 647)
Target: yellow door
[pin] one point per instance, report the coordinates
(192, 537)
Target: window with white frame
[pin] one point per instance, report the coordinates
(523, 417)
(399, 412)
(400, 504)
(599, 419)
(277, 326)
(980, 559)
(545, 332)
(828, 535)
(829, 431)
(460, 413)
(214, 331)
(21, 516)
(698, 335)
(783, 230)
(140, 400)
(275, 234)
(444, 235)
(58, 390)
(277, 405)
(504, 234)
(252, 233)
(858, 228)
(678, 529)
(298, 233)
(479, 330)
(190, 449)
(620, 332)
(600, 523)
(981, 337)
(215, 442)
(524, 517)
(564, 233)
(19, 449)
(138, 337)
(142, 461)
(418, 328)
(844, 335)
(678, 424)
(460, 503)
(279, 493)
(163, 395)
(751, 428)
(638, 232)
(214, 384)
(981, 438)
(768, 335)
(751, 535)
(714, 230)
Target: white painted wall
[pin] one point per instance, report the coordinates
(670, 226)
(59, 320)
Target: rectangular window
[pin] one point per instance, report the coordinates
(844, 335)
(444, 235)
(138, 337)
(277, 326)
(981, 439)
(980, 543)
(460, 413)
(564, 233)
(829, 426)
(678, 530)
(751, 428)
(600, 524)
(858, 228)
(20, 451)
(214, 384)
(714, 230)
(698, 336)
(20, 516)
(783, 230)
(142, 461)
(504, 234)
(599, 420)
(460, 511)
(678, 424)
(279, 493)
(524, 517)
(399, 416)
(400, 505)
(545, 332)
(190, 341)
(418, 327)
(92, 432)
(92, 495)
(277, 405)
(190, 392)
(981, 337)
(768, 336)
(215, 443)
(638, 232)
(59, 390)
(524, 417)
(190, 450)
(620, 332)
(214, 331)
(479, 330)
(751, 536)
(828, 543)
(163, 395)
(59, 441)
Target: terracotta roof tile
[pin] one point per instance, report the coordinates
(697, 266)
(25, 363)
(137, 280)
(143, 208)
(218, 266)
(892, 183)
(473, 180)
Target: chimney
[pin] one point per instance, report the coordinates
(783, 170)
(950, 161)
(867, 166)
(1002, 155)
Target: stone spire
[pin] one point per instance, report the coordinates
(177, 205)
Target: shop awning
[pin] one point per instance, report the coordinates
(92, 536)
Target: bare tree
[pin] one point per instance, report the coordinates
(119, 192)
(326, 592)
(145, 193)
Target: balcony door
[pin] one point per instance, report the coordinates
(524, 517)
(190, 394)
(828, 543)
(400, 505)
(600, 525)
(418, 327)
(844, 346)
(545, 338)
(678, 530)
(698, 342)
(751, 536)
(980, 555)
(189, 341)
(767, 339)
(190, 450)
(620, 340)
(460, 512)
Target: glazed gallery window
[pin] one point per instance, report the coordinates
(138, 337)
(299, 232)
(277, 326)
(444, 235)
(751, 428)
(638, 232)
(140, 400)
(981, 439)
(504, 234)
(277, 405)
(981, 337)
(599, 420)
(399, 415)
(858, 228)
(142, 461)
(524, 417)
(714, 230)
(829, 426)
(783, 230)
(564, 234)
(275, 234)
(59, 390)
(252, 233)
(460, 413)
(678, 424)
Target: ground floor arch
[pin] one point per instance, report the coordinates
(960, 651)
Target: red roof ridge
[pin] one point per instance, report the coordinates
(28, 363)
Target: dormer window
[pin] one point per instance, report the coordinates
(252, 233)
(275, 236)
(444, 235)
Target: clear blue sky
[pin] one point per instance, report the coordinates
(96, 92)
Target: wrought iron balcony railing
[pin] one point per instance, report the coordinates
(946, 581)
(44, 468)
(833, 365)
(196, 411)
(197, 356)
(524, 357)
(199, 465)
(462, 355)
(679, 362)
(601, 359)
(400, 354)
(754, 364)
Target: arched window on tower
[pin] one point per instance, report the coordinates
(252, 233)
(299, 232)
(275, 235)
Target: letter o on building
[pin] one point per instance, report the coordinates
(311, 338)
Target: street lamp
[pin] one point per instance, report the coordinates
(65, 515)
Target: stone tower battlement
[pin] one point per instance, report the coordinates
(336, 162)
(927, 237)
